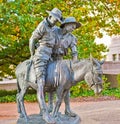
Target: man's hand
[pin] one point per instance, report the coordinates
(75, 58)
(31, 57)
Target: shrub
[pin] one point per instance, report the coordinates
(106, 84)
(5, 92)
(81, 89)
(118, 80)
(10, 96)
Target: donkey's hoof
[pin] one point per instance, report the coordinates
(41, 114)
(70, 114)
(21, 116)
(27, 119)
(48, 119)
(49, 110)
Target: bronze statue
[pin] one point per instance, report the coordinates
(46, 71)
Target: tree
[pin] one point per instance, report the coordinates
(18, 19)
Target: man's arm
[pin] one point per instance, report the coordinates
(73, 48)
(74, 53)
(36, 35)
(32, 45)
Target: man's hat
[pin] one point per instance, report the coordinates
(70, 20)
(56, 13)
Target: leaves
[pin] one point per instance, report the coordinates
(19, 18)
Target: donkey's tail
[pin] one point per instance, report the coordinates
(18, 97)
(18, 87)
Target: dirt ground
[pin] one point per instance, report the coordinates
(91, 110)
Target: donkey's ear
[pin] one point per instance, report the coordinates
(96, 62)
(101, 62)
(91, 58)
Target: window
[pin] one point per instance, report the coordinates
(114, 56)
(119, 57)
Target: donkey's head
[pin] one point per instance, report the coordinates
(94, 75)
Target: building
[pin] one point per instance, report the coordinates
(111, 67)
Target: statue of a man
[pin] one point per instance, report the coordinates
(64, 40)
(42, 55)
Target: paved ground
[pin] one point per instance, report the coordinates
(101, 112)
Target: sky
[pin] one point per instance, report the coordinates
(106, 40)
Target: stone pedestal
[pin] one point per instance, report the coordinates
(60, 119)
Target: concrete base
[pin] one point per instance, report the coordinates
(60, 119)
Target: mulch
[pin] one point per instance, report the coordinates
(93, 99)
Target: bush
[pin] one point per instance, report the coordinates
(81, 89)
(118, 80)
(10, 96)
(106, 85)
(5, 92)
(112, 92)
(14, 92)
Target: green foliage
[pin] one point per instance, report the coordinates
(118, 79)
(117, 92)
(10, 96)
(5, 93)
(107, 91)
(19, 18)
(106, 84)
(112, 92)
(30, 98)
(81, 89)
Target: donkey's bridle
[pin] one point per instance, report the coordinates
(94, 83)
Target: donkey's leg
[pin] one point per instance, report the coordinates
(40, 111)
(59, 95)
(18, 105)
(18, 96)
(40, 106)
(67, 104)
(50, 101)
(21, 101)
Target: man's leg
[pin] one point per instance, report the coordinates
(40, 70)
(40, 94)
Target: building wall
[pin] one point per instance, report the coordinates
(11, 86)
(111, 67)
(114, 49)
(111, 70)
(8, 85)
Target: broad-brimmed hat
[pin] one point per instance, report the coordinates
(56, 13)
(70, 20)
